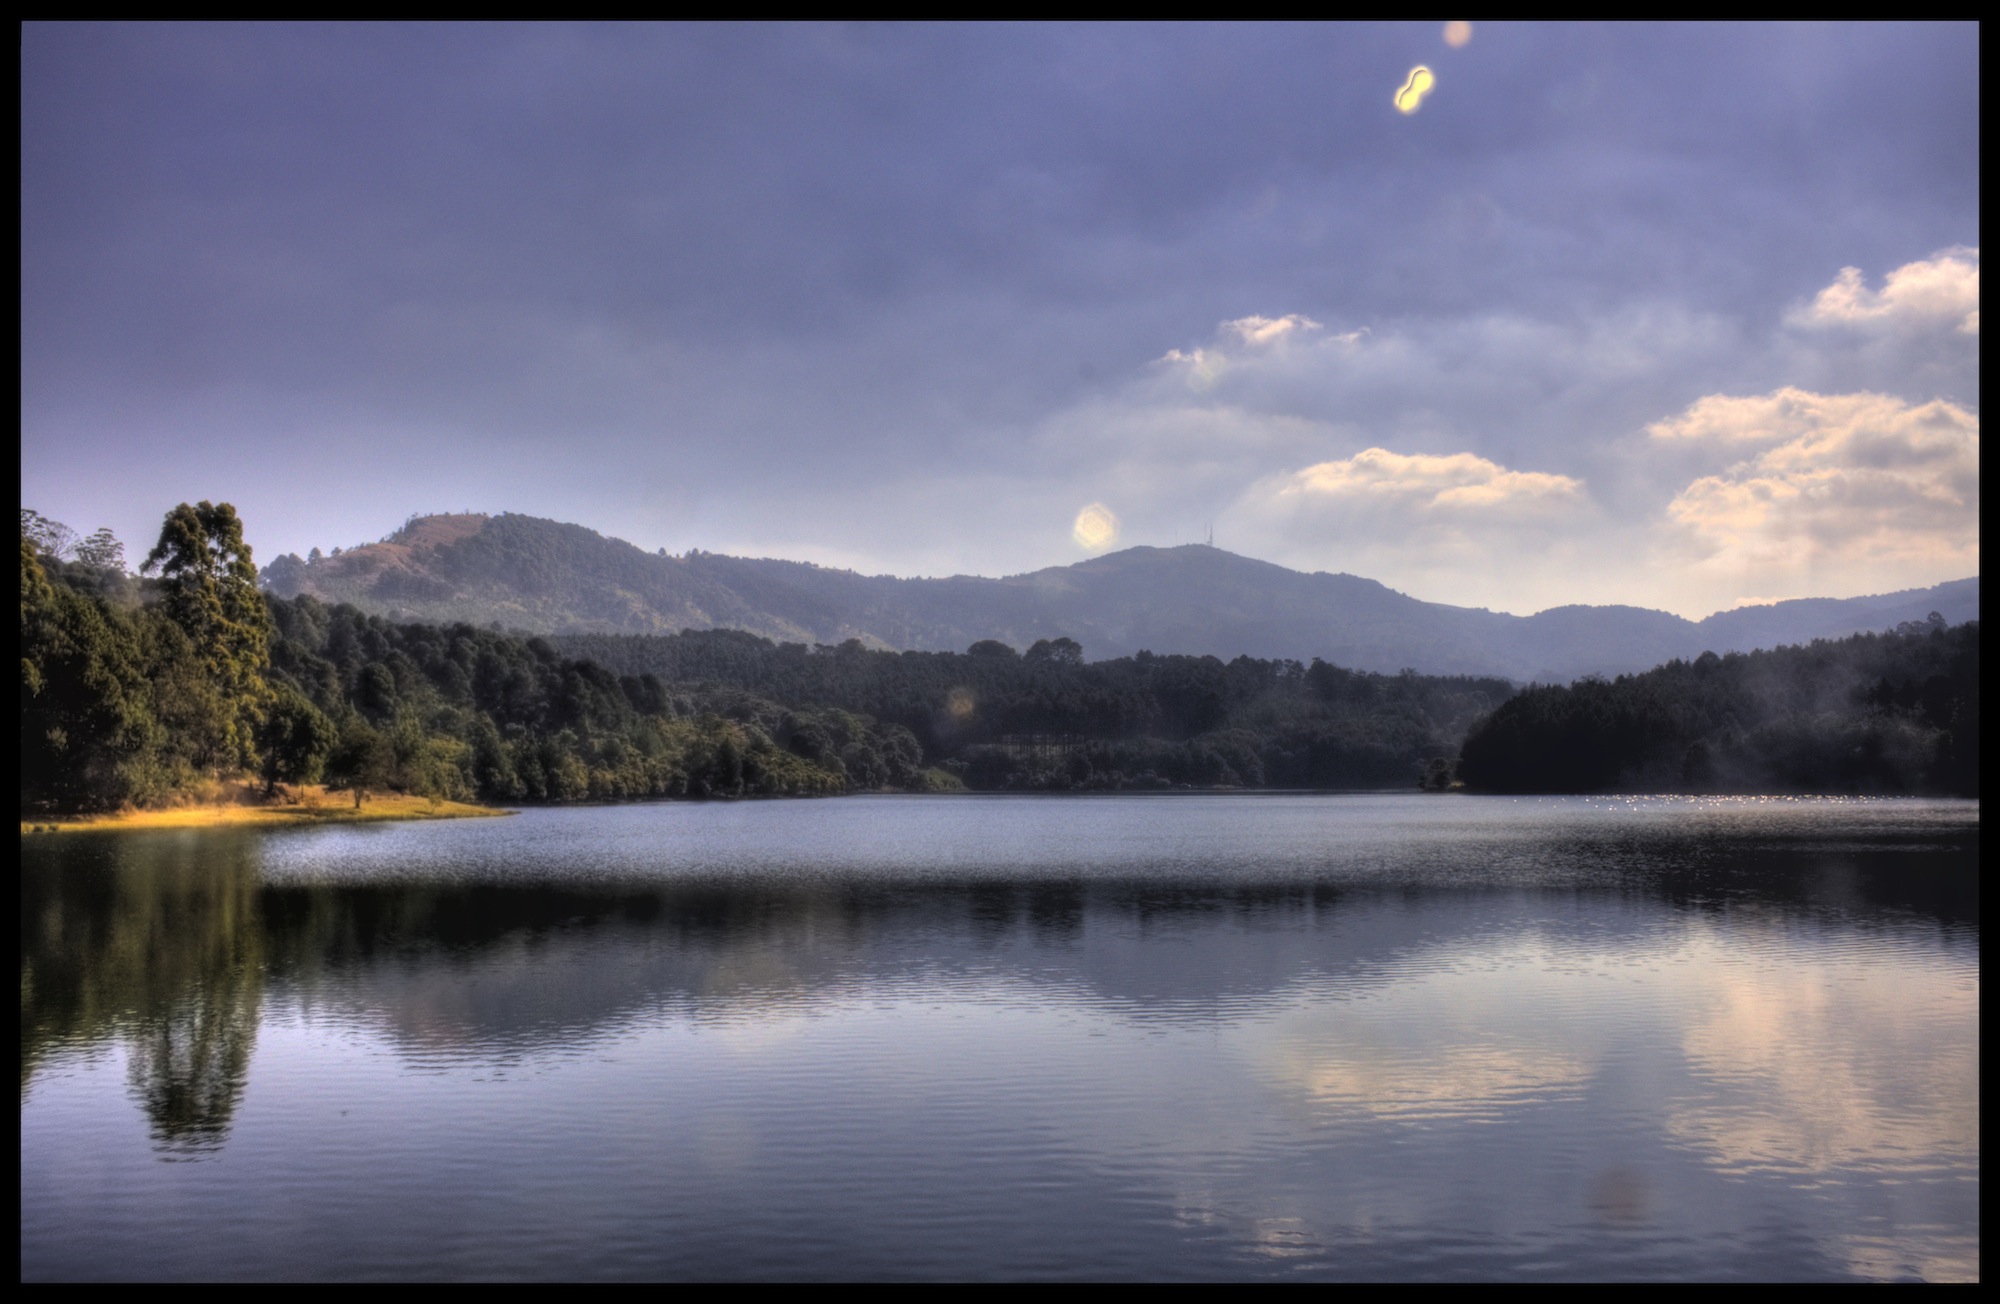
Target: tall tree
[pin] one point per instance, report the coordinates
(87, 732)
(102, 551)
(51, 538)
(297, 738)
(210, 591)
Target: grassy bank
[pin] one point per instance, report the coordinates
(245, 805)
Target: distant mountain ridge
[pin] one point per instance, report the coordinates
(551, 578)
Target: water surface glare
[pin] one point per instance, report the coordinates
(1191, 1036)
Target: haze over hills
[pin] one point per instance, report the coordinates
(547, 577)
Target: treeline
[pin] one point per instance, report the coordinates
(1896, 712)
(143, 692)
(147, 690)
(476, 713)
(132, 692)
(1045, 720)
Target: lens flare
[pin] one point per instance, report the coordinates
(1457, 34)
(1207, 369)
(1096, 528)
(1419, 85)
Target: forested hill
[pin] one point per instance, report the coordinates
(545, 577)
(134, 693)
(149, 691)
(1876, 713)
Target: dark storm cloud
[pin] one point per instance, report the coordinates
(716, 285)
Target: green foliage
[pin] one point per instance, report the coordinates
(194, 718)
(36, 591)
(50, 539)
(938, 781)
(87, 727)
(1048, 721)
(1062, 651)
(1895, 712)
(465, 712)
(102, 551)
(297, 739)
(166, 949)
(132, 690)
(991, 647)
(1439, 772)
(362, 758)
(209, 589)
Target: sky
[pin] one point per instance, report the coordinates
(1683, 317)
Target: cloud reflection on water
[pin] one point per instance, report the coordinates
(1307, 1073)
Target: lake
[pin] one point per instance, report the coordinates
(1283, 1036)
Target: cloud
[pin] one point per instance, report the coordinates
(1429, 522)
(1518, 461)
(1447, 1082)
(1826, 1100)
(1943, 288)
(1459, 484)
(1269, 330)
(798, 288)
(1852, 482)
(1252, 338)
(1496, 384)
(1781, 416)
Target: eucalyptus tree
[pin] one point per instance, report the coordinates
(209, 589)
(102, 551)
(50, 538)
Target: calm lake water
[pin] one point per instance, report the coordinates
(1192, 1036)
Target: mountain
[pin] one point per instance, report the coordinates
(546, 577)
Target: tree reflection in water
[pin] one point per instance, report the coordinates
(157, 942)
(174, 944)
(188, 1065)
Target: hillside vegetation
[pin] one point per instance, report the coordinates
(1876, 713)
(143, 692)
(543, 577)
(133, 696)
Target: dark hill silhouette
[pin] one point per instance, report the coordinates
(546, 577)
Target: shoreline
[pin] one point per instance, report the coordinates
(319, 807)
(314, 808)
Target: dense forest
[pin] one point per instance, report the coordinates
(1044, 719)
(138, 691)
(152, 689)
(148, 691)
(1895, 712)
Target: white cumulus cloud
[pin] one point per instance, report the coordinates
(1424, 483)
(1858, 486)
(1439, 524)
(1943, 288)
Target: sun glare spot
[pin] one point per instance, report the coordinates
(1202, 367)
(1096, 528)
(1457, 34)
(1419, 85)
